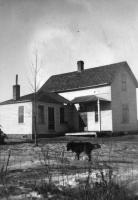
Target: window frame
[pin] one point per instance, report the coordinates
(20, 115)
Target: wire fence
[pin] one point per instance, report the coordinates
(56, 161)
(48, 161)
(25, 164)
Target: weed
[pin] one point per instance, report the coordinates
(99, 191)
(52, 171)
(3, 174)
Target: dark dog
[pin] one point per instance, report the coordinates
(79, 147)
(2, 137)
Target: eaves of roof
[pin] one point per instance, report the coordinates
(11, 101)
(47, 97)
(87, 98)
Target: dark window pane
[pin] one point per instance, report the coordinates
(51, 126)
(51, 118)
(21, 114)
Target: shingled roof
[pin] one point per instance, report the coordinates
(41, 96)
(86, 78)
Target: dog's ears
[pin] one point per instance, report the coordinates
(97, 145)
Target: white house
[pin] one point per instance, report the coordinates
(105, 97)
(98, 99)
(16, 115)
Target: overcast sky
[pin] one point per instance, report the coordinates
(99, 32)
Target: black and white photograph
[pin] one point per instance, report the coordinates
(69, 99)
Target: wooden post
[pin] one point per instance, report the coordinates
(99, 114)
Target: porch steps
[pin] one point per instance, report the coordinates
(82, 134)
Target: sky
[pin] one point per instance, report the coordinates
(64, 31)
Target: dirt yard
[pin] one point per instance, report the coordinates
(51, 162)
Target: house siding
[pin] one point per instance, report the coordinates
(59, 127)
(10, 125)
(119, 98)
(106, 114)
(9, 120)
(106, 118)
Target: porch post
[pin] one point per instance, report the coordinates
(99, 114)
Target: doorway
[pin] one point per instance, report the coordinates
(51, 119)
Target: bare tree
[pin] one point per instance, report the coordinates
(35, 67)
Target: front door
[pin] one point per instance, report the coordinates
(51, 119)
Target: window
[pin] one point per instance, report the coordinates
(21, 114)
(62, 114)
(123, 82)
(41, 118)
(125, 113)
(51, 118)
(96, 113)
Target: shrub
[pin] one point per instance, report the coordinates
(98, 191)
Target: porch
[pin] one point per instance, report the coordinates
(94, 113)
(86, 133)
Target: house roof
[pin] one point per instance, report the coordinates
(41, 96)
(87, 78)
(88, 98)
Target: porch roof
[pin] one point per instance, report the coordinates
(88, 98)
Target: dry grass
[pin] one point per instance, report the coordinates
(52, 171)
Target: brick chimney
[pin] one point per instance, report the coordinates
(80, 66)
(16, 90)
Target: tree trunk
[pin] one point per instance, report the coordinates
(35, 131)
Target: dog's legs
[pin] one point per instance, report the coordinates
(78, 155)
(89, 156)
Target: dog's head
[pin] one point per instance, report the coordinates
(70, 145)
(96, 146)
(3, 135)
